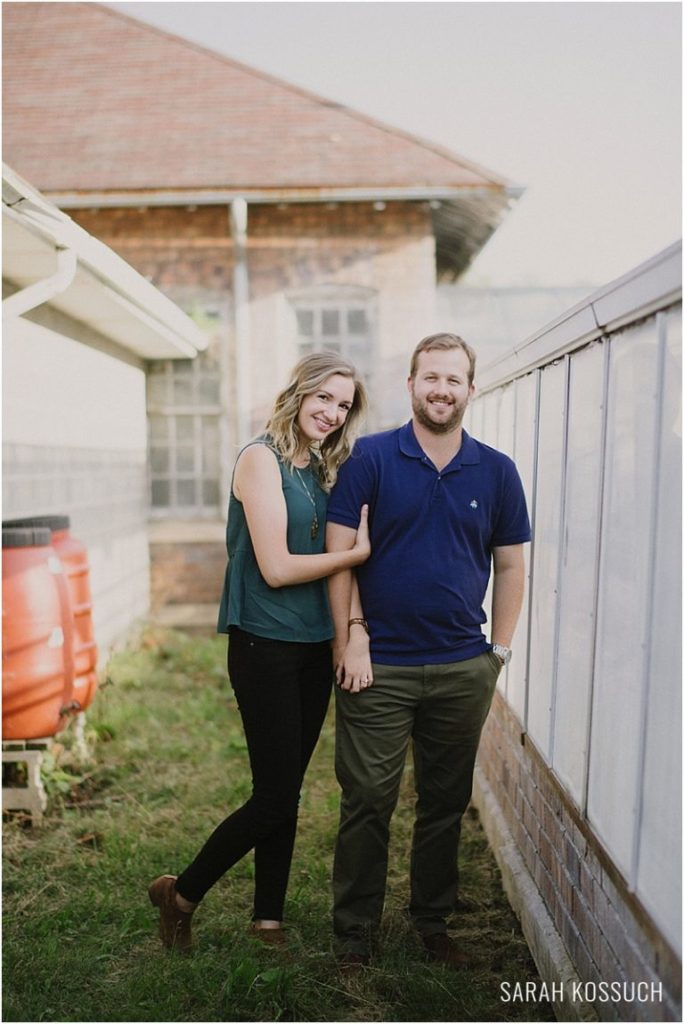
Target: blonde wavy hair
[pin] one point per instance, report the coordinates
(307, 377)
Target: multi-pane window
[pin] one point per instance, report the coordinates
(183, 405)
(337, 324)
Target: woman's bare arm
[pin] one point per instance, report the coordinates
(257, 485)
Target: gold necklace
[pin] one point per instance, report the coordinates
(314, 521)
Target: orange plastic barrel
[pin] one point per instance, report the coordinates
(74, 557)
(37, 637)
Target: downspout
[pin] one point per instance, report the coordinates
(242, 343)
(42, 291)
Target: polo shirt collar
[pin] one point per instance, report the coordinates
(468, 454)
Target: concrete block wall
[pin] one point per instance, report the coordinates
(608, 935)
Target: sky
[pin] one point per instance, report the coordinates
(580, 103)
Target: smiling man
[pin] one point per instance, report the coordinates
(412, 663)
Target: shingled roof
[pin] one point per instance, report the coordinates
(98, 103)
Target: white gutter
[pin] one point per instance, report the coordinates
(42, 291)
(220, 197)
(130, 290)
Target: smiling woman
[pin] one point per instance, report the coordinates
(275, 608)
(327, 409)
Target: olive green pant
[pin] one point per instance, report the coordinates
(441, 709)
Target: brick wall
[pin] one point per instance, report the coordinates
(187, 573)
(607, 934)
(187, 251)
(290, 245)
(174, 246)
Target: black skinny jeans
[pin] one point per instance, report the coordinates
(282, 690)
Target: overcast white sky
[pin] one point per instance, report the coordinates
(579, 102)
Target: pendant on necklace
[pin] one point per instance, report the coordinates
(314, 521)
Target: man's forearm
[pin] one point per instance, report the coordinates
(351, 651)
(340, 538)
(339, 592)
(507, 594)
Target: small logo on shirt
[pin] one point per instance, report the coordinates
(473, 503)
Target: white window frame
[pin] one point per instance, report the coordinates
(356, 347)
(162, 403)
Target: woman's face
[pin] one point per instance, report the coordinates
(326, 409)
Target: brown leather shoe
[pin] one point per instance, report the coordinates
(269, 936)
(351, 964)
(174, 923)
(442, 949)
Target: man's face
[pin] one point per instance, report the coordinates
(440, 390)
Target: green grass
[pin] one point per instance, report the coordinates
(168, 761)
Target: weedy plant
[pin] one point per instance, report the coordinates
(168, 761)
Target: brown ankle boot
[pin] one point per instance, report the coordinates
(442, 949)
(174, 923)
(269, 936)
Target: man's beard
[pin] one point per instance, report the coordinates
(447, 426)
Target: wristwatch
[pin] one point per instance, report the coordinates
(504, 654)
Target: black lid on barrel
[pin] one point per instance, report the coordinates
(38, 522)
(26, 537)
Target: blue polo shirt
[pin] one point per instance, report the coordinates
(432, 534)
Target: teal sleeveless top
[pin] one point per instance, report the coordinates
(300, 612)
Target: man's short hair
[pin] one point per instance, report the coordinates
(445, 342)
